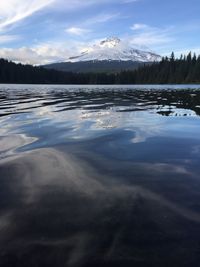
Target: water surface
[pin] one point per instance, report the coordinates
(99, 175)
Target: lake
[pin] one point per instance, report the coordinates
(99, 176)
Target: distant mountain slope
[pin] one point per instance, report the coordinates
(110, 55)
(95, 66)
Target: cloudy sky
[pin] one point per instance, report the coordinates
(43, 31)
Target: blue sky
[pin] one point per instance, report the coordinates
(43, 31)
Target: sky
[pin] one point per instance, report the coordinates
(45, 31)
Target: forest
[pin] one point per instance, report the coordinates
(169, 70)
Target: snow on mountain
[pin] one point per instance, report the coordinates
(114, 49)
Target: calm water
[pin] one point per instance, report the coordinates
(99, 176)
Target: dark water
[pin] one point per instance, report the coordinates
(97, 176)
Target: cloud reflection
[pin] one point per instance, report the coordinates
(63, 201)
(98, 178)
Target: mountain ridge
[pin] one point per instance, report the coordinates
(95, 66)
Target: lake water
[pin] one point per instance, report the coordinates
(99, 176)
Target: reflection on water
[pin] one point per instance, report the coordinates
(99, 176)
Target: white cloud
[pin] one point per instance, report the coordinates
(8, 38)
(146, 35)
(138, 26)
(12, 11)
(42, 54)
(101, 18)
(84, 30)
(77, 31)
(151, 38)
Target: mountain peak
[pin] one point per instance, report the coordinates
(114, 49)
(110, 42)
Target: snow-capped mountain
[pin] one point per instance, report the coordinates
(112, 49)
(111, 55)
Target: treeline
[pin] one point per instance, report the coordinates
(186, 69)
(11, 72)
(18, 73)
